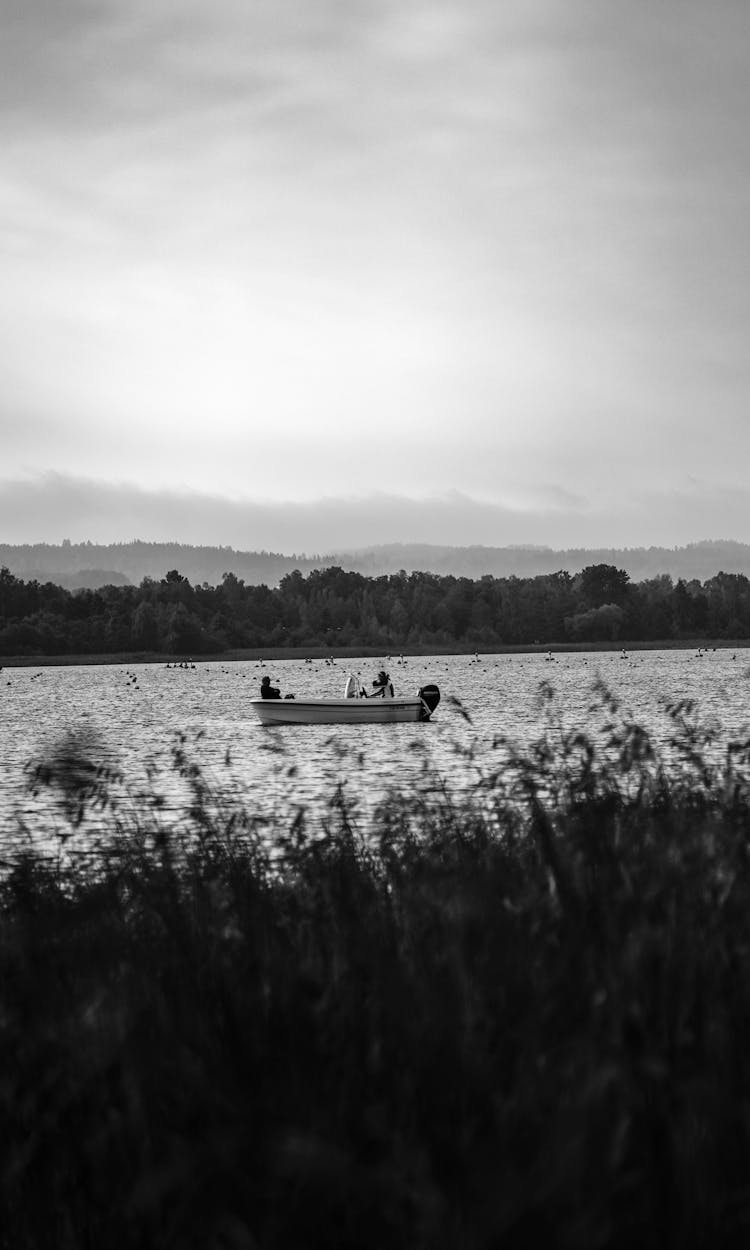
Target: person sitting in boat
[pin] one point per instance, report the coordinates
(267, 691)
(383, 686)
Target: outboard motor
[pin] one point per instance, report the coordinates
(430, 696)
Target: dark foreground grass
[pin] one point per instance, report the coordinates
(518, 1019)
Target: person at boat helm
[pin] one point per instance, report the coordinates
(267, 691)
(383, 686)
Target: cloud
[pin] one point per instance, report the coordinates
(54, 506)
(239, 223)
(51, 507)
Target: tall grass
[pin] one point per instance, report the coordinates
(516, 1017)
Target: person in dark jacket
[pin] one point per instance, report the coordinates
(267, 691)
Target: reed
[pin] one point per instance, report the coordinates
(518, 1016)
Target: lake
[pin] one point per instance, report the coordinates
(135, 716)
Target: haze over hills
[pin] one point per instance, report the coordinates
(75, 565)
(696, 560)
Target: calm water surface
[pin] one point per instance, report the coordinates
(136, 715)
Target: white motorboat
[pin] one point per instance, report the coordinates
(351, 711)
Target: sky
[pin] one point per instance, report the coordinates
(303, 275)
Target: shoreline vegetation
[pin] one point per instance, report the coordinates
(518, 1016)
(332, 611)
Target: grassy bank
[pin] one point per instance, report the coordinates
(517, 1018)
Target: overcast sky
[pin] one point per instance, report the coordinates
(299, 274)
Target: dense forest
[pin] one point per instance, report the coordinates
(333, 608)
(92, 565)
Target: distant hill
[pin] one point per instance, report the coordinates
(85, 579)
(699, 560)
(90, 564)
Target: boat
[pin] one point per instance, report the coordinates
(351, 711)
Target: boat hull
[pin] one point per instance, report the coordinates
(339, 711)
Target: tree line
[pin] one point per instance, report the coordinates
(334, 608)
